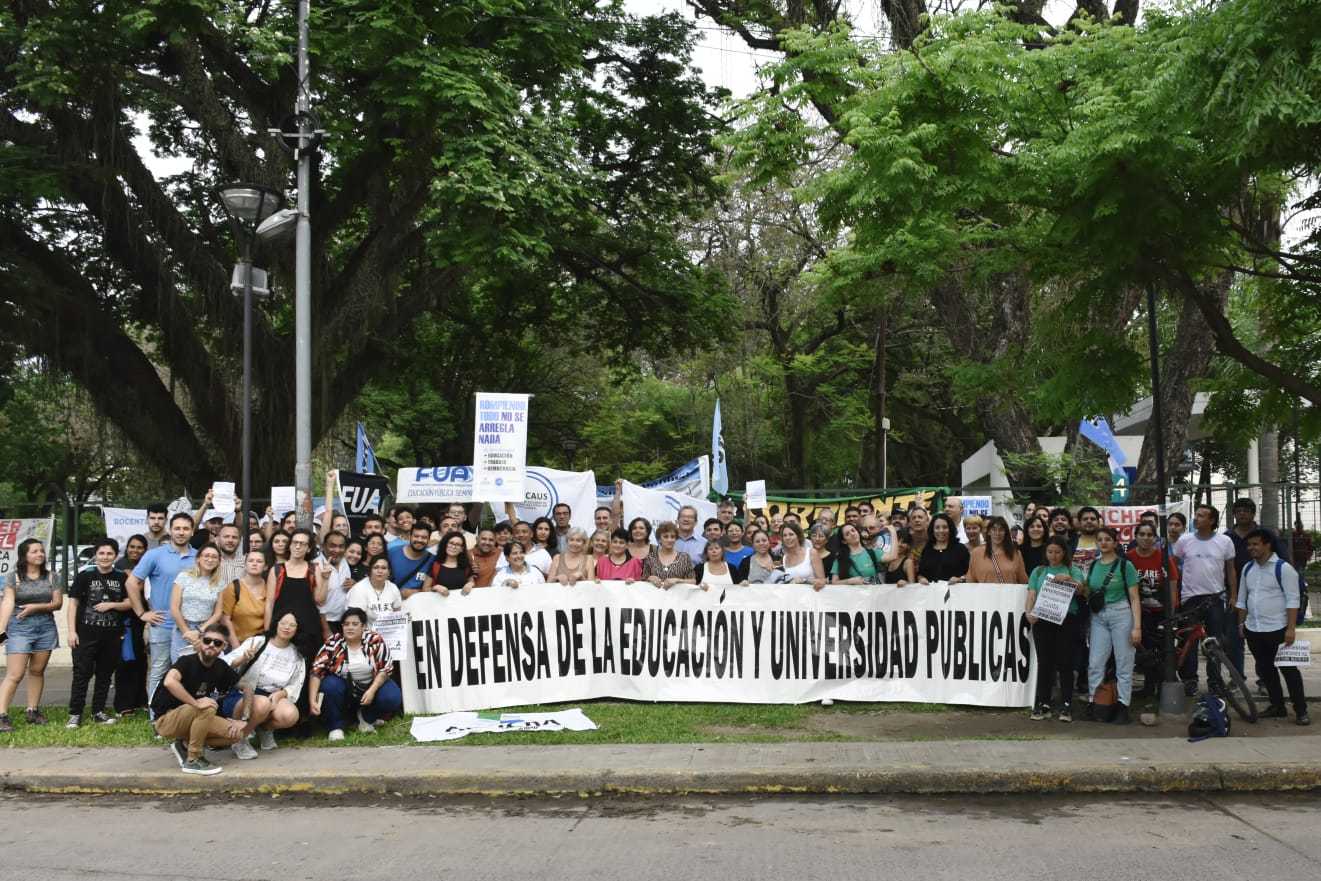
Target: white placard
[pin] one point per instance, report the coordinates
(978, 506)
(1297, 655)
(122, 523)
(959, 644)
(1053, 600)
(453, 726)
(393, 627)
(658, 506)
(222, 498)
(499, 453)
(754, 496)
(283, 500)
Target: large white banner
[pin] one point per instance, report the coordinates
(123, 523)
(659, 505)
(499, 443)
(543, 489)
(15, 532)
(498, 647)
(693, 478)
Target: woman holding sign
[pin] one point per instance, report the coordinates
(376, 594)
(1055, 642)
(1112, 597)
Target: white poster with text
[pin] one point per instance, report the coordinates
(499, 452)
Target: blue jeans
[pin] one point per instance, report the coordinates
(339, 702)
(1110, 632)
(158, 644)
(178, 647)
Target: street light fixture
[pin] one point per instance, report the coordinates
(247, 206)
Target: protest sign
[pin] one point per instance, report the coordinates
(452, 726)
(15, 532)
(222, 498)
(1053, 600)
(393, 628)
(1297, 655)
(283, 500)
(754, 496)
(1123, 519)
(657, 505)
(497, 647)
(446, 483)
(500, 447)
(810, 510)
(122, 523)
(361, 495)
(544, 488)
(979, 506)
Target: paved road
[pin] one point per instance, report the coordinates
(1170, 838)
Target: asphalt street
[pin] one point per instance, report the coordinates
(986, 839)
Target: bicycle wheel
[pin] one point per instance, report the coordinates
(1235, 691)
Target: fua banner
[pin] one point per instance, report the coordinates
(543, 489)
(660, 505)
(362, 495)
(15, 532)
(544, 643)
(123, 523)
(500, 447)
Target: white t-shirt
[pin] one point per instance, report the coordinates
(359, 666)
(274, 669)
(337, 598)
(537, 558)
(1202, 564)
(363, 596)
(529, 575)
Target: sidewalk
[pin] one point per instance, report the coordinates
(1117, 765)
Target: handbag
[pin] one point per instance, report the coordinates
(1096, 599)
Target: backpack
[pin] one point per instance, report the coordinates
(1279, 581)
(1209, 719)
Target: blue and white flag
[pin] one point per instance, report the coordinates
(364, 459)
(719, 470)
(1098, 432)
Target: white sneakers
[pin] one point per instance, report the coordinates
(336, 734)
(268, 739)
(243, 750)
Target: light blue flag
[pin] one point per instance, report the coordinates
(719, 470)
(1098, 432)
(364, 460)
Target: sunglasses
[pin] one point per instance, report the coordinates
(214, 643)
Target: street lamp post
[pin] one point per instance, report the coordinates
(247, 205)
(1171, 689)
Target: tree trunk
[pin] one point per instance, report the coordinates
(1268, 466)
(1186, 361)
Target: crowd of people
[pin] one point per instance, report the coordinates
(225, 639)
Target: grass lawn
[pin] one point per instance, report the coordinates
(619, 721)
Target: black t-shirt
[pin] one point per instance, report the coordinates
(200, 681)
(90, 587)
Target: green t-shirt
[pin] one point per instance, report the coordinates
(1041, 573)
(860, 565)
(1125, 577)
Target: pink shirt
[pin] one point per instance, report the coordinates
(608, 570)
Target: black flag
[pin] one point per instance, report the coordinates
(363, 495)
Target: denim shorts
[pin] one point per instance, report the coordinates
(36, 633)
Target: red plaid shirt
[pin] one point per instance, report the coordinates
(334, 655)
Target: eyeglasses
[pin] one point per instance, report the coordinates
(298, 543)
(214, 643)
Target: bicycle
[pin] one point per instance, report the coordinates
(1222, 677)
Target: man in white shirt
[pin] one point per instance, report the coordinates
(1208, 579)
(1267, 616)
(333, 569)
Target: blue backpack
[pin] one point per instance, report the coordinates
(1279, 580)
(1209, 719)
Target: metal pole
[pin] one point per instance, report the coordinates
(303, 288)
(247, 392)
(1171, 690)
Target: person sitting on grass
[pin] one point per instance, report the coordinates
(186, 712)
(351, 675)
(272, 681)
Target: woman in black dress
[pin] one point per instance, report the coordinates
(292, 588)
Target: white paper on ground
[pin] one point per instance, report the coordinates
(453, 726)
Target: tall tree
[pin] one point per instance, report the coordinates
(471, 149)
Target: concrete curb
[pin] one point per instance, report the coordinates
(961, 767)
